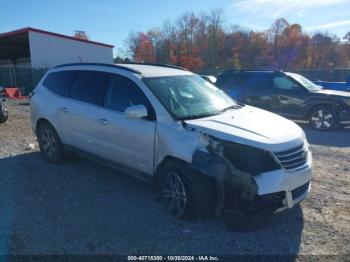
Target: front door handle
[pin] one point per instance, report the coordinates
(64, 109)
(103, 122)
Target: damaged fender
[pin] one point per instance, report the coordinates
(232, 165)
(210, 160)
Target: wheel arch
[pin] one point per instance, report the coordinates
(201, 186)
(41, 121)
(333, 106)
(167, 159)
(195, 165)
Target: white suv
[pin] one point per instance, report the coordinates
(202, 151)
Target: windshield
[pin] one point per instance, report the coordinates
(304, 82)
(189, 96)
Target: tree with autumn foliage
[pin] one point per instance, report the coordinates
(141, 47)
(200, 43)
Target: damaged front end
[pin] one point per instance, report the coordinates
(234, 167)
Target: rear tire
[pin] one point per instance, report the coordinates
(186, 193)
(50, 144)
(323, 118)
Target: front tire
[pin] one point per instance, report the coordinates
(50, 144)
(186, 193)
(323, 118)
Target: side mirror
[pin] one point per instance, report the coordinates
(212, 79)
(134, 112)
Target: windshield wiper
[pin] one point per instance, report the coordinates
(196, 116)
(228, 108)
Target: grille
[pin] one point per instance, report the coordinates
(299, 191)
(292, 158)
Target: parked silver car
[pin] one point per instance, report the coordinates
(202, 151)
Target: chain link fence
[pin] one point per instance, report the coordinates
(24, 78)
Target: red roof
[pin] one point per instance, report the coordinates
(29, 29)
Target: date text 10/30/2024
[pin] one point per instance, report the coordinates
(172, 258)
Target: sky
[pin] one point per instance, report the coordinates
(110, 21)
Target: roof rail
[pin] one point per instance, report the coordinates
(100, 64)
(155, 64)
(253, 70)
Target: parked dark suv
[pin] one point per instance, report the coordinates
(288, 94)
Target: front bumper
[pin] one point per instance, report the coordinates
(287, 189)
(266, 207)
(277, 191)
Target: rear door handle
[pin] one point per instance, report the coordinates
(64, 109)
(103, 122)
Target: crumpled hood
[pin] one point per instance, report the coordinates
(252, 126)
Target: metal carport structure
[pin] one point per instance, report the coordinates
(15, 62)
(27, 53)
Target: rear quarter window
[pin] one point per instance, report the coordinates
(60, 82)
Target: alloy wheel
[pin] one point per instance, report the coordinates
(322, 119)
(48, 143)
(174, 194)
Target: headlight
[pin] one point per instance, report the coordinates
(250, 159)
(242, 157)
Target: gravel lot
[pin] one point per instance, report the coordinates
(80, 207)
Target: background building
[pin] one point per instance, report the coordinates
(27, 53)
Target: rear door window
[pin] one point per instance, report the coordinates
(60, 82)
(258, 81)
(90, 87)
